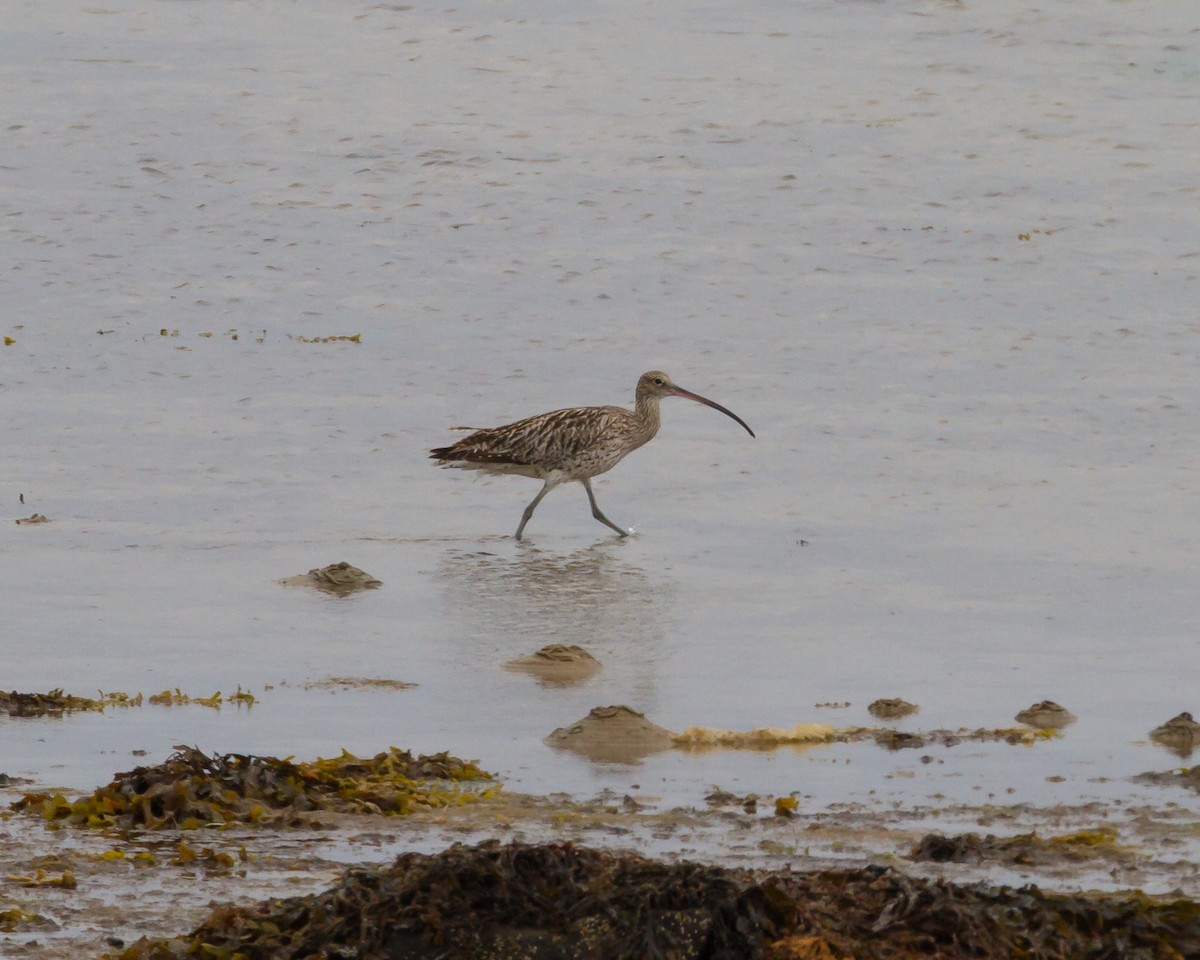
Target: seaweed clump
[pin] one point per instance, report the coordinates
(560, 901)
(877, 913)
(192, 789)
(1022, 849)
(55, 703)
(15, 920)
(492, 900)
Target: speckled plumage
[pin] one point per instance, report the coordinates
(576, 443)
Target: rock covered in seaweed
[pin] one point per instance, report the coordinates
(559, 901)
(192, 789)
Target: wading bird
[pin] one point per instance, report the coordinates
(577, 443)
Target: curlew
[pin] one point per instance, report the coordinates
(577, 443)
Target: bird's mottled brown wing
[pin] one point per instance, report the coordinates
(549, 440)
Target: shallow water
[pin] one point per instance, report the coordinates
(942, 257)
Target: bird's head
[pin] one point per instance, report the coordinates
(654, 385)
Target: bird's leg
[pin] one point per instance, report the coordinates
(597, 512)
(546, 488)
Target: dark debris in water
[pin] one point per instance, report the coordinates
(1022, 849)
(560, 901)
(192, 789)
(56, 703)
(899, 740)
(1187, 777)
(359, 683)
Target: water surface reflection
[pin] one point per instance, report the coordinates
(515, 604)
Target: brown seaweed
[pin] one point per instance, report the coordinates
(559, 901)
(192, 789)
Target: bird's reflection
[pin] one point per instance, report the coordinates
(514, 604)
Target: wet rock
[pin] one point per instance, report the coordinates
(892, 709)
(340, 579)
(939, 848)
(630, 805)
(558, 664)
(616, 734)
(1180, 734)
(1046, 715)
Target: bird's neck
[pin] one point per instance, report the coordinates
(646, 410)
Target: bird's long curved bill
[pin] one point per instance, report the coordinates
(680, 392)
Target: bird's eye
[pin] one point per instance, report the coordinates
(658, 380)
